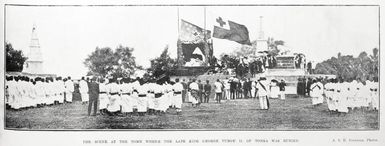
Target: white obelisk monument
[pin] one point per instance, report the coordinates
(34, 63)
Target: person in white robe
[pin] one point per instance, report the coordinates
(194, 90)
(103, 96)
(142, 99)
(126, 100)
(263, 92)
(69, 88)
(151, 98)
(177, 98)
(342, 103)
(83, 89)
(316, 91)
(274, 89)
(113, 107)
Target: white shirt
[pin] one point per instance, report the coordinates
(113, 88)
(194, 86)
(69, 85)
(177, 87)
(218, 87)
(83, 86)
(263, 91)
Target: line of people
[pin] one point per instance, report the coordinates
(342, 97)
(134, 97)
(23, 92)
(234, 88)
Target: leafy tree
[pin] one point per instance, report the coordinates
(14, 59)
(349, 68)
(163, 65)
(107, 62)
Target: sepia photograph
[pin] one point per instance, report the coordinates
(191, 67)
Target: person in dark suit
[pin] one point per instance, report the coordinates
(207, 91)
(184, 92)
(200, 92)
(93, 92)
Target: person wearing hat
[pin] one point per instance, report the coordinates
(93, 87)
(263, 92)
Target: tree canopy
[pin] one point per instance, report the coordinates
(349, 68)
(163, 65)
(14, 58)
(107, 62)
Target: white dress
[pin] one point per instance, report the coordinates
(274, 90)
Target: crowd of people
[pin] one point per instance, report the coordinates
(138, 97)
(255, 65)
(344, 96)
(25, 92)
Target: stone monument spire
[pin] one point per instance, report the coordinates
(34, 63)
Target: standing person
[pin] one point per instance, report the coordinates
(239, 89)
(308, 84)
(282, 88)
(200, 91)
(93, 87)
(247, 88)
(184, 92)
(233, 88)
(69, 85)
(194, 91)
(83, 89)
(188, 94)
(126, 100)
(218, 90)
(207, 91)
(316, 90)
(254, 89)
(143, 90)
(274, 89)
(263, 92)
(341, 97)
(227, 88)
(177, 99)
(113, 107)
(103, 97)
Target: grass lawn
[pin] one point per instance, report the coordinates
(243, 114)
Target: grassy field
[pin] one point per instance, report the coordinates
(243, 114)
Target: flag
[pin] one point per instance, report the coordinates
(192, 34)
(237, 33)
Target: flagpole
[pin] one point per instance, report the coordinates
(204, 23)
(178, 20)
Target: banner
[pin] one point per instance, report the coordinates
(237, 33)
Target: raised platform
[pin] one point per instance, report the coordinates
(191, 71)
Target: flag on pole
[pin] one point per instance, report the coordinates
(237, 32)
(192, 34)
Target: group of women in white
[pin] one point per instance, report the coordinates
(343, 97)
(128, 97)
(25, 92)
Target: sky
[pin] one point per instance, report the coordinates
(68, 34)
